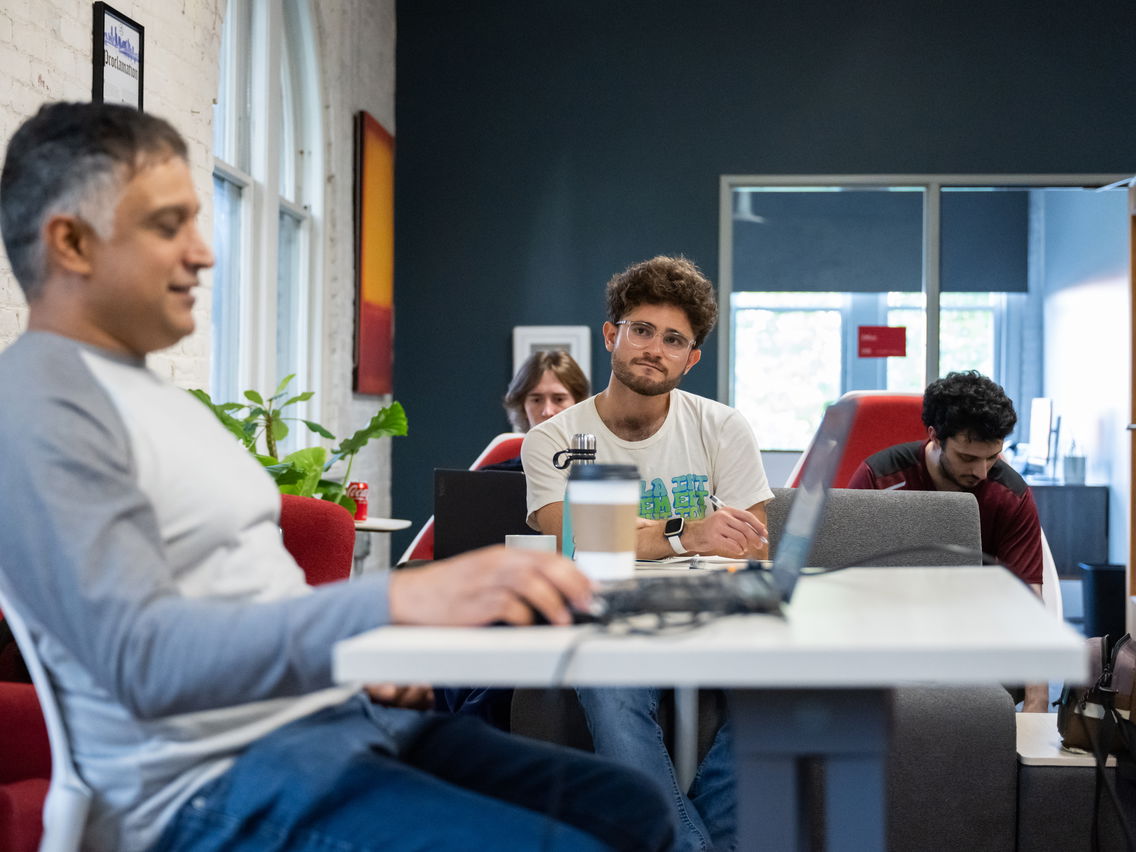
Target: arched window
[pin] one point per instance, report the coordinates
(266, 185)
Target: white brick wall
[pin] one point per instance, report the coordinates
(357, 40)
(45, 55)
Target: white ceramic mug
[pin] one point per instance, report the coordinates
(532, 542)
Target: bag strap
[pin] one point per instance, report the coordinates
(1111, 727)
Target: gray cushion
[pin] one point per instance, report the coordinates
(952, 770)
(858, 525)
(1055, 809)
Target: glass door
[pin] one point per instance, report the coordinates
(951, 269)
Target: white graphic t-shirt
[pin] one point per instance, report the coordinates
(702, 448)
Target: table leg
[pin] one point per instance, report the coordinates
(847, 729)
(686, 734)
(362, 551)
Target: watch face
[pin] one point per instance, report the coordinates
(673, 526)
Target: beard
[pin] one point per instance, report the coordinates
(643, 384)
(949, 473)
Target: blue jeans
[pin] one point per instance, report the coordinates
(362, 777)
(493, 704)
(625, 727)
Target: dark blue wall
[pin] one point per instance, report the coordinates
(542, 147)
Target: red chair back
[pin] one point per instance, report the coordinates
(25, 767)
(319, 535)
(880, 419)
(505, 446)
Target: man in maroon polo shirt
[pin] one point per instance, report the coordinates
(968, 417)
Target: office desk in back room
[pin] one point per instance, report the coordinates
(1075, 520)
(811, 684)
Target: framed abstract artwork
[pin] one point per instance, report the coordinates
(374, 256)
(117, 54)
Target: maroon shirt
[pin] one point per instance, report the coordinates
(1006, 511)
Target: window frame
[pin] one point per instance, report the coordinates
(860, 308)
(932, 186)
(277, 39)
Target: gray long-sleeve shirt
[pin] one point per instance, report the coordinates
(139, 541)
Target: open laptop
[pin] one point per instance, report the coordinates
(477, 508)
(751, 590)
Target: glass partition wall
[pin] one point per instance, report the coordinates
(809, 264)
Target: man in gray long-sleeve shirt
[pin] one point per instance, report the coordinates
(139, 542)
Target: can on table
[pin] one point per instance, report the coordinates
(357, 491)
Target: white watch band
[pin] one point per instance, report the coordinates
(676, 543)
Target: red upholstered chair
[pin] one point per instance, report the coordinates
(883, 419)
(44, 801)
(25, 767)
(320, 536)
(505, 446)
(880, 419)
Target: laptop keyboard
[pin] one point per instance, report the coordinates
(717, 592)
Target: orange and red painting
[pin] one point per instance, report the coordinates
(374, 256)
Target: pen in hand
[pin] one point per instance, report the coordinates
(718, 504)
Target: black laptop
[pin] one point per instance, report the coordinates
(477, 508)
(756, 590)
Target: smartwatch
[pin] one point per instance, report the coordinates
(672, 529)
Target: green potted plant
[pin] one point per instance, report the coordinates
(303, 471)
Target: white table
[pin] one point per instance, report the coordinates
(813, 683)
(1039, 744)
(375, 524)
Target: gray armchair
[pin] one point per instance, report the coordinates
(861, 525)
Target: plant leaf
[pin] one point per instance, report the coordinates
(308, 464)
(283, 384)
(330, 489)
(387, 422)
(288, 479)
(279, 430)
(319, 430)
(240, 429)
(254, 397)
(304, 397)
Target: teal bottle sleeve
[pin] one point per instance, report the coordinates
(567, 543)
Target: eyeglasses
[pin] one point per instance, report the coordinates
(639, 334)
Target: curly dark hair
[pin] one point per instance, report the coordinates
(562, 365)
(968, 403)
(665, 281)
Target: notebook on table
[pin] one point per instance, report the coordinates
(477, 508)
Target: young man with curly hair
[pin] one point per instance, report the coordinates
(968, 417)
(686, 448)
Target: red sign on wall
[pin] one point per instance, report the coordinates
(882, 341)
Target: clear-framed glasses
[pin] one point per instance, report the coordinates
(639, 334)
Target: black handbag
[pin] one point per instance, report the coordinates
(1097, 718)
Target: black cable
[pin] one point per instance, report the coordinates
(956, 549)
(663, 627)
(556, 789)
